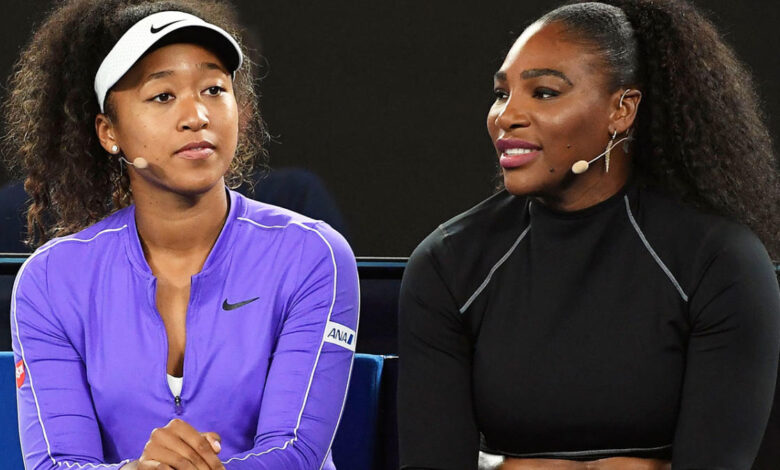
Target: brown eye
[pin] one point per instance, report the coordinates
(545, 93)
(500, 94)
(163, 98)
(215, 90)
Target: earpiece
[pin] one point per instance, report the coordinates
(620, 105)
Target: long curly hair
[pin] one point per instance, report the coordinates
(50, 111)
(700, 134)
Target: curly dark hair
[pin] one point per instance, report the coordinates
(51, 107)
(700, 135)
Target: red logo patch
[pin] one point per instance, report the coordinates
(19, 374)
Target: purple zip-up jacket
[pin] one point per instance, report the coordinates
(271, 327)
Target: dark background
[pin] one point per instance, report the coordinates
(386, 100)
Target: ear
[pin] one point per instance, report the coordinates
(105, 132)
(624, 111)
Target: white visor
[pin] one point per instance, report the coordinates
(145, 34)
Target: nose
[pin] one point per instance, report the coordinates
(512, 115)
(194, 115)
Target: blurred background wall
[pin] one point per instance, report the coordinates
(386, 100)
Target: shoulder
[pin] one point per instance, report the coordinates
(79, 247)
(291, 228)
(487, 217)
(499, 214)
(700, 243)
(59, 257)
(693, 228)
(731, 253)
(98, 234)
(460, 249)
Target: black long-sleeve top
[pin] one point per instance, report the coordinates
(636, 327)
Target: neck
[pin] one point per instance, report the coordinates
(592, 187)
(180, 225)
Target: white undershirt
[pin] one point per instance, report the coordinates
(174, 383)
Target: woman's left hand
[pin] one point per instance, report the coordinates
(179, 446)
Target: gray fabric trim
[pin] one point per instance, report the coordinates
(585, 453)
(493, 269)
(652, 252)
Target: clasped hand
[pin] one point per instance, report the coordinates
(179, 446)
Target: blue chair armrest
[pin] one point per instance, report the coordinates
(10, 449)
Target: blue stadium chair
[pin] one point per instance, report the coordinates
(386, 451)
(353, 447)
(380, 284)
(10, 449)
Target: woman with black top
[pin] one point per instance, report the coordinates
(613, 306)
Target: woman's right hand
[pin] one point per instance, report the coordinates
(179, 446)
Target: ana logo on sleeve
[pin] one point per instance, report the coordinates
(340, 335)
(19, 374)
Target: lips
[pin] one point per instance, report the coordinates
(506, 144)
(516, 152)
(196, 150)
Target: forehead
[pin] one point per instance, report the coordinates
(179, 55)
(174, 58)
(547, 46)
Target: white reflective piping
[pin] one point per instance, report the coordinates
(493, 270)
(346, 390)
(27, 367)
(652, 252)
(316, 361)
(92, 465)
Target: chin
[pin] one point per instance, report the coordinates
(200, 188)
(521, 183)
(535, 181)
(198, 180)
(195, 185)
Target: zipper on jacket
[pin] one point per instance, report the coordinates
(177, 404)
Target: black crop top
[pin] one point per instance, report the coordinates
(637, 327)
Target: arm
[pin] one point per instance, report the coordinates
(57, 424)
(732, 360)
(307, 381)
(436, 423)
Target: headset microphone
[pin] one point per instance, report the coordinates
(139, 163)
(581, 166)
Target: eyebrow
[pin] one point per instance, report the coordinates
(212, 66)
(533, 73)
(168, 73)
(158, 75)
